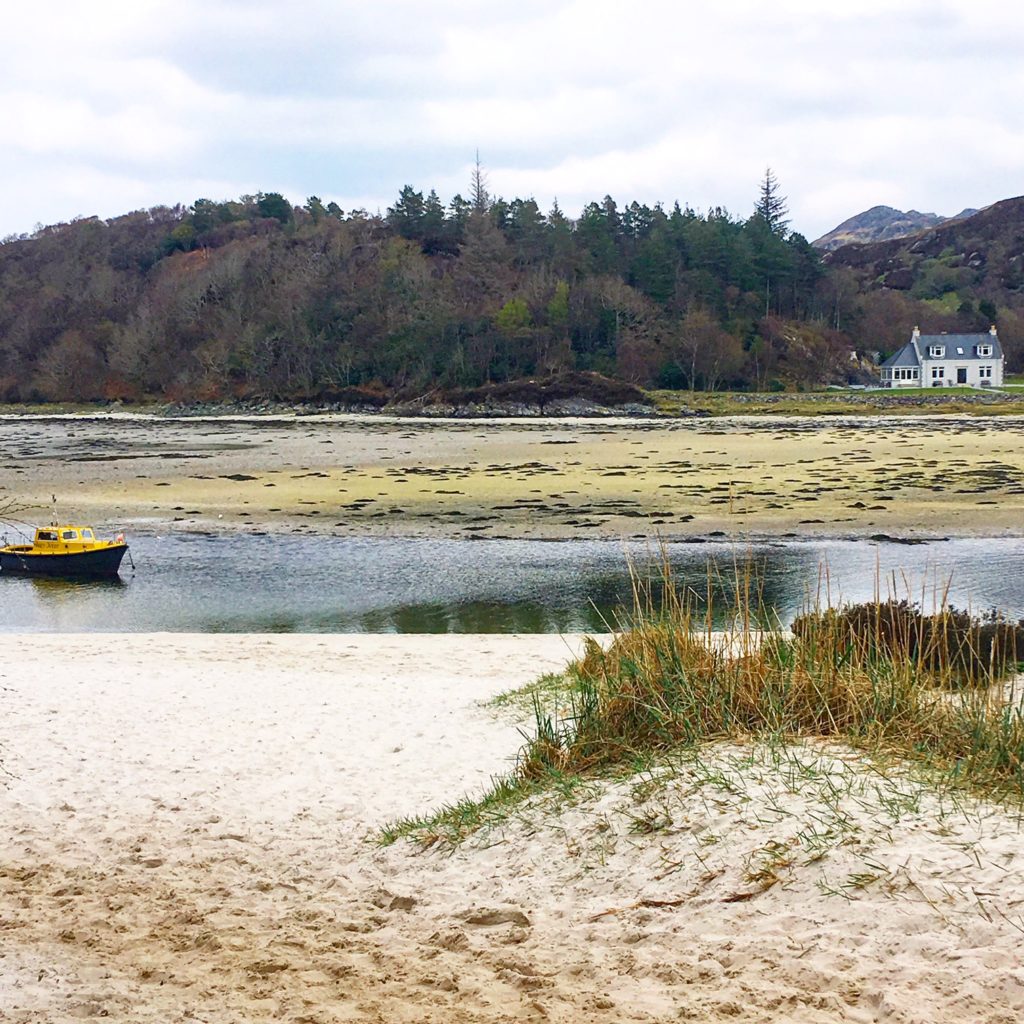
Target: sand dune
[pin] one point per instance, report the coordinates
(187, 823)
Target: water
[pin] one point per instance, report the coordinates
(189, 582)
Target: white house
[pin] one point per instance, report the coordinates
(946, 361)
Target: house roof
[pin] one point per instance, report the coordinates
(907, 356)
(968, 342)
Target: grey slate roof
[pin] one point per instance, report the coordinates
(965, 341)
(906, 356)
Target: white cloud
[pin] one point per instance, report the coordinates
(906, 102)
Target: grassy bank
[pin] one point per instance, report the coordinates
(901, 402)
(927, 691)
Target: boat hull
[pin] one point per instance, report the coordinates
(99, 562)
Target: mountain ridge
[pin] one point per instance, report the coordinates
(882, 224)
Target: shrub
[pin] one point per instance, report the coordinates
(956, 647)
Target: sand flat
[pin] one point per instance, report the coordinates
(545, 479)
(186, 839)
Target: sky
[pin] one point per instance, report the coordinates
(117, 105)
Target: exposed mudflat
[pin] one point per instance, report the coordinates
(544, 479)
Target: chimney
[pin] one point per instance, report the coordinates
(917, 333)
(992, 330)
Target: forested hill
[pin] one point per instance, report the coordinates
(257, 298)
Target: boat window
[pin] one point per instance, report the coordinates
(87, 535)
(69, 534)
(46, 535)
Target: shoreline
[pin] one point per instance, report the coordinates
(286, 528)
(613, 417)
(658, 405)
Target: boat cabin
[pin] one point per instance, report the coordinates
(64, 538)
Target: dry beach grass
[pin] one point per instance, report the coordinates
(928, 689)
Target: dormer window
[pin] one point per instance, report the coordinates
(936, 351)
(984, 350)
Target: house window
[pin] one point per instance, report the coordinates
(937, 351)
(985, 372)
(938, 373)
(984, 350)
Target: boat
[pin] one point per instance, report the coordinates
(65, 551)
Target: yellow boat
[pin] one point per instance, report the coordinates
(64, 551)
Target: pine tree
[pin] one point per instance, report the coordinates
(771, 206)
(406, 216)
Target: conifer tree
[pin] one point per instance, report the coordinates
(771, 205)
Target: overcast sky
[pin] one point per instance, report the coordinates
(114, 105)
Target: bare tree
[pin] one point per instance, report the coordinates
(479, 197)
(704, 351)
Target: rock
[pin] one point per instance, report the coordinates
(488, 917)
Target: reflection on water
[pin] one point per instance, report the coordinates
(204, 583)
(55, 589)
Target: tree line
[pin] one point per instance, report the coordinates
(257, 297)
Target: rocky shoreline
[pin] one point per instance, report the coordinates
(703, 405)
(561, 409)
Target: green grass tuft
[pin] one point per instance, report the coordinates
(550, 689)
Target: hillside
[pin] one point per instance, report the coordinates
(256, 299)
(882, 223)
(963, 274)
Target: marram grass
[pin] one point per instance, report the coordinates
(934, 697)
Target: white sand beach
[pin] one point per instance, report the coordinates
(188, 825)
